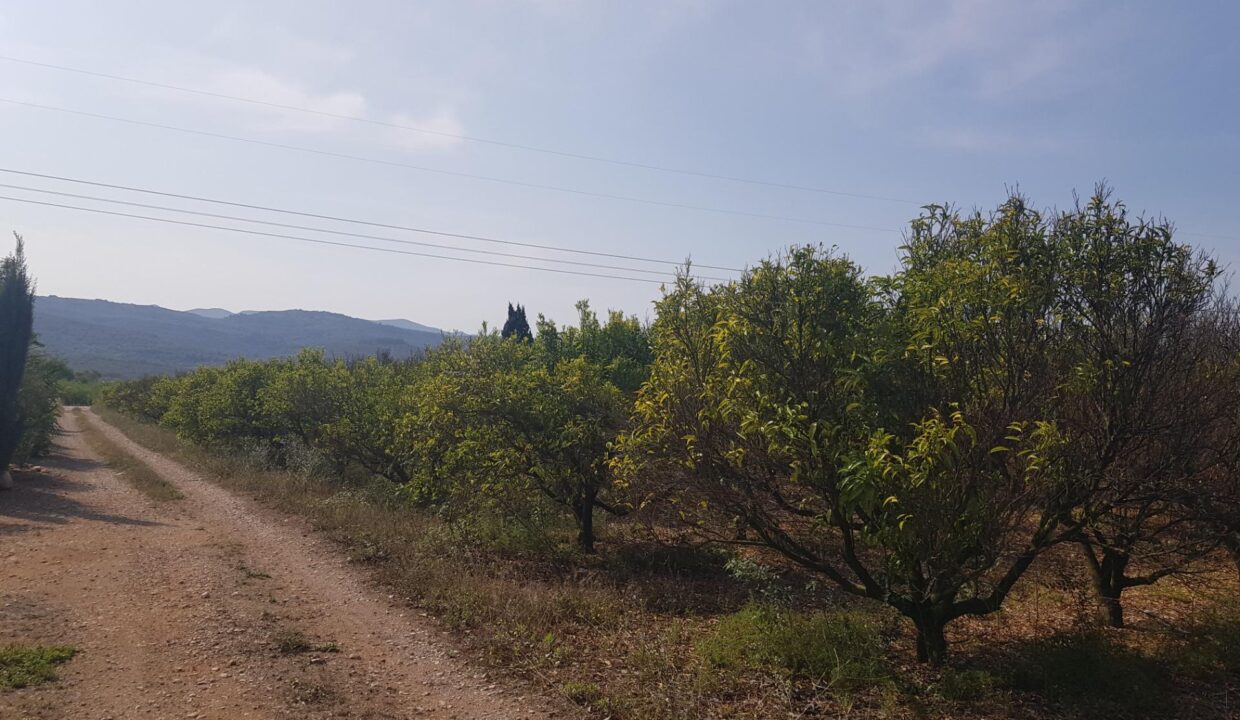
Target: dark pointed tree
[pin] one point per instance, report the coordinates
(16, 329)
(517, 326)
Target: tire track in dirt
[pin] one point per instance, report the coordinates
(174, 607)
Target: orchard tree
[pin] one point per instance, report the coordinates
(1150, 395)
(348, 411)
(501, 424)
(16, 331)
(1210, 499)
(550, 429)
(222, 406)
(621, 345)
(146, 398)
(892, 437)
(369, 396)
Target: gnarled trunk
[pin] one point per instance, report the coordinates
(1107, 574)
(1110, 606)
(931, 638)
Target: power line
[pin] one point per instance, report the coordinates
(345, 233)
(451, 173)
(457, 136)
(335, 218)
(298, 238)
(499, 143)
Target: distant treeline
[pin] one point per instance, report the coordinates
(1024, 380)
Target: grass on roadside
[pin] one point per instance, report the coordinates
(150, 436)
(23, 666)
(134, 471)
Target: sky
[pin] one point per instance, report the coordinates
(835, 122)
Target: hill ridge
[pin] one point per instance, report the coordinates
(127, 340)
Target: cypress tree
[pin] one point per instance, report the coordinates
(517, 325)
(16, 329)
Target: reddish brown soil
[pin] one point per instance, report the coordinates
(174, 608)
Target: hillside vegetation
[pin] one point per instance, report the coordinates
(951, 491)
(119, 340)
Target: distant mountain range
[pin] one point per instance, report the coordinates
(119, 340)
(409, 325)
(213, 313)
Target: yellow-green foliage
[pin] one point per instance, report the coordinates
(918, 439)
(489, 427)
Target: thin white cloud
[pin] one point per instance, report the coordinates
(259, 85)
(990, 47)
(441, 130)
(989, 141)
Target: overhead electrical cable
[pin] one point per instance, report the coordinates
(513, 145)
(329, 231)
(458, 136)
(440, 171)
(298, 238)
(336, 218)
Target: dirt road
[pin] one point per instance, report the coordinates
(177, 608)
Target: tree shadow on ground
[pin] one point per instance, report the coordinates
(52, 499)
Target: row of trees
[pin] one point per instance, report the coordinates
(489, 424)
(1025, 380)
(1022, 381)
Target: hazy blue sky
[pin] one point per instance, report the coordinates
(913, 101)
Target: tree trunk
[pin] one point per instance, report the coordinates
(931, 640)
(1110, 607)
(6, 481)
(1107, 574)
(583, 513)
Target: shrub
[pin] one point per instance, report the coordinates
(38, 403)
(844, 649)
(79, 392)
(762, 581)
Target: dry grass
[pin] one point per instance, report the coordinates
(293, 642)
(655, 631)
(134, 471)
